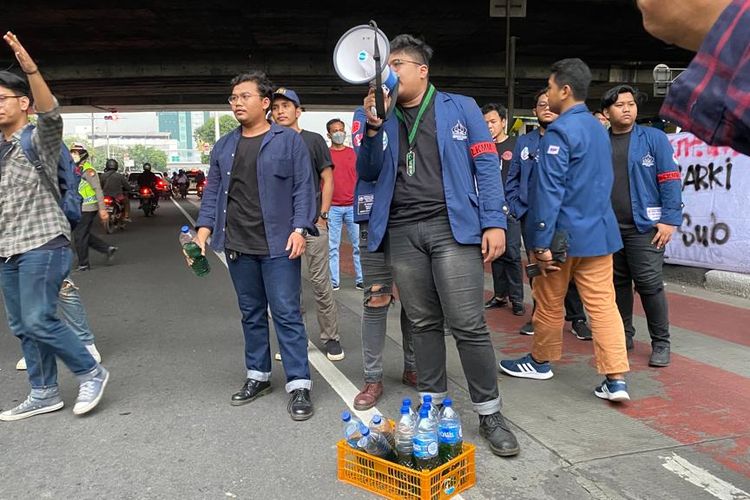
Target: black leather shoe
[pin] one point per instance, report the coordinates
(495, 303)
(300, 405)
(629, 345)
(252, 390)
(659, 356)
(494, 429)
(111, 253)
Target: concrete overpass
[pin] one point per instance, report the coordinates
(170, 54)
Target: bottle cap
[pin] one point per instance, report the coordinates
(185, 229)
(404, 410)
(447, 402)
(407, 402)
(376, 419)
(424, 412)
(427, 398)
(346, 416)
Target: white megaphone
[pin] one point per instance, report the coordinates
(361, 56)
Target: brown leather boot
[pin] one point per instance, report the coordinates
(370, 395)
(409, 378)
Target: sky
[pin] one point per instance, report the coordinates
(147, 122)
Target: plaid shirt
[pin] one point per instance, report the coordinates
(711, 98)
(29, 214)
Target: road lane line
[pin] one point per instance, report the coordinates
(703, 479)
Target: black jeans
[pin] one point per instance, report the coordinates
(640, 262)
(85, 239)
(438, 279)
(507, 276)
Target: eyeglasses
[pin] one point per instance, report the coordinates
(245, 96)
(4, 97)
(397, 63)
(543, 105)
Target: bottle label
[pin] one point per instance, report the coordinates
(450, 434)
(425, 447)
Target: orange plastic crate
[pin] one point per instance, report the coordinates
(390, 480)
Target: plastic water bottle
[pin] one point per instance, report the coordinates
(200, 263)
(450, 434)
(405, 438)
(412, 413)
(427, 403)
(426, 442)
(384, 427)
(374, 443)
(352, 432)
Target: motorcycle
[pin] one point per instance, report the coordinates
(200, 187)
(183, 188)
(148, 201)
(116, 215)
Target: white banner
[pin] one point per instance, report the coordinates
(715, 231)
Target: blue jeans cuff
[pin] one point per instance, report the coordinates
(298, 384)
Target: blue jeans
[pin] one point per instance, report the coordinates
(261, 282)
(31, 284)
(72, 312)
(338, 216)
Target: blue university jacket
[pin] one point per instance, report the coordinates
(655, 182)
(364, 191)
(285, 186)
(471, 171)
(524, 162)
(573, 186)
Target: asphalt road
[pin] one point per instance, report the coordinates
(173, 343)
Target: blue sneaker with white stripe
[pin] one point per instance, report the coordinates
(526, 367)
(613, 390)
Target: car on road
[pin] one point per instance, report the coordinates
(162, 185)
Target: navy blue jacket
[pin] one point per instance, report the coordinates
(573, 186)
(285, 186)
(471, 171)
(364, 191)
(655, 185)
(523, 164)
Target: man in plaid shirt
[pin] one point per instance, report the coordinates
(711, 98)
(35, 254)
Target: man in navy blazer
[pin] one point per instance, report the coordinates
(647, 200)
(258, 207)
(571, 213)
(438, 209)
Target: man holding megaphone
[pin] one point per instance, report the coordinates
(438, 212)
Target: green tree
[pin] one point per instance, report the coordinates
(205, 133)
(141, 154)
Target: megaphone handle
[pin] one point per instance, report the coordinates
(379, 99)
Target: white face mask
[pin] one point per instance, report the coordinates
(338, 137)
(76, 157)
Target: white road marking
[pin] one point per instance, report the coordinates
(337, 380)
(703, 479)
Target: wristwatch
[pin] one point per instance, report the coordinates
(301, 231)
(324, 215)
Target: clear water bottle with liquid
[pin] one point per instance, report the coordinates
(450, 434)
(405, 438)
(352, 425)
(426, 442)
(200, 264)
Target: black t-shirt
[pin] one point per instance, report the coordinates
(505, 152)
(420, 196)
(321, 159)
(245, 231)
(621, 202)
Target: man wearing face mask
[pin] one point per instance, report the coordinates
(342, 203)
(93, 202)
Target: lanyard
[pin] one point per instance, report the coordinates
(422, 108)
(411, 161)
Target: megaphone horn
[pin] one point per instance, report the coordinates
(357, 60)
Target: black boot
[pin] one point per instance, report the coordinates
(300, 405)
(494, 429)
(659, 356)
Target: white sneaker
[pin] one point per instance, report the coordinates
(21, 365)
(92, 350)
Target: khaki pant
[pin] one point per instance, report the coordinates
(593, 277)
(316, 262)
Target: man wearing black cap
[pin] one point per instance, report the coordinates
(286, 111)
(35, 254)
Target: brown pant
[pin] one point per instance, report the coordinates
(316, 261)
(593, 277)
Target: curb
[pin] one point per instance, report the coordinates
(727, 282)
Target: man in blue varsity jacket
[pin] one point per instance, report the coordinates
(647, 199)
(438, 211)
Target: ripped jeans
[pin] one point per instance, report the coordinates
(378, 282)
